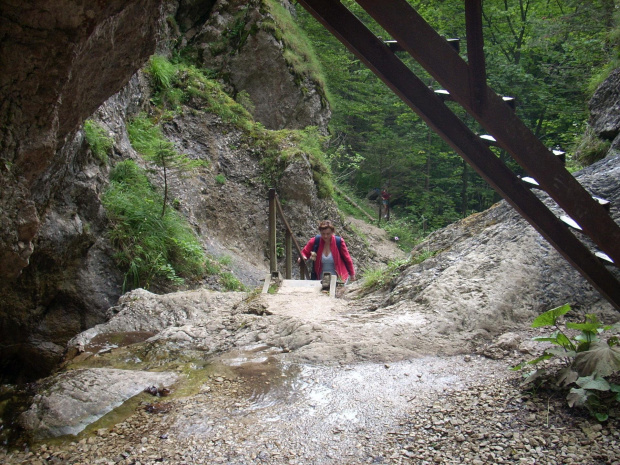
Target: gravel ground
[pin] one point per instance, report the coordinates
(433, 410)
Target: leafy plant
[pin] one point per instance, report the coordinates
(589, 355)
(162, 71)
(243, 98)
(230, 282)
(220, 179)
(98, 139)
(149, 246)
(408, 235)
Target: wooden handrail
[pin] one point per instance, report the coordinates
(274, 204)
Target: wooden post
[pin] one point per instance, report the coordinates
(273, 259)
(288, 245)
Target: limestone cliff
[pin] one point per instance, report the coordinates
(57, 265)
(60, 61)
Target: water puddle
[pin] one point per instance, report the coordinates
(316, 401)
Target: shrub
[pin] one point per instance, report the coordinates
(243, 99)
(149, 246)
(162, 71)
(98, 139)
(220, 179)
(148, 139)
(405, 231)
(382, 277)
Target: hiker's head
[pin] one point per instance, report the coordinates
(326, 228)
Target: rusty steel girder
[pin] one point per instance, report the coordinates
(468, 88)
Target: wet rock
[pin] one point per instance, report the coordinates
(68, 402)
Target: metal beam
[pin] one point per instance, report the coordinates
(382, 61)
(475, 52)
(418, 38)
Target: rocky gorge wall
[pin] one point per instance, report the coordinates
(58, 275)
(60, 61)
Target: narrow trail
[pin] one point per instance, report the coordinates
(381, 243)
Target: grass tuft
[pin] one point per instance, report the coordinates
(98, 139)
(149, 247)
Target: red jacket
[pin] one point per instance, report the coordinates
(342, 259)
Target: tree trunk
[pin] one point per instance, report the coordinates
(163, 210)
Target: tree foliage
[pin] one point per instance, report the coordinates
(542, 53)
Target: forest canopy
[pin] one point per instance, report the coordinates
(548, 55)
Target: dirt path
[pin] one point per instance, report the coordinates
(385, 248)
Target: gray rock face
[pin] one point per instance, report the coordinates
(260, 69)
(60, 61)
(493, 267)
(72, 279)
(143, 311)
(253, 59)
(605, 108)
(71, 401)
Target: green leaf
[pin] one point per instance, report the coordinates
(589, 327)
(561, 352)
(593, 383)
(614, 387)
(542, 358)
(565, 342)
(566, 376)
(536, 376)
(553, 340)
(601, 416)
(601, 359)
(550, 317)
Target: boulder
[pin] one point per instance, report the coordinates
(69, 402)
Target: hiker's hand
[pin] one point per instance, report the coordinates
(352, 278)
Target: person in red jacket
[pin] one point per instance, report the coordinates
(332, 255)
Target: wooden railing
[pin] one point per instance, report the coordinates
(275, 206)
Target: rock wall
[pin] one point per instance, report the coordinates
(71, 279)
(252, 58)
(60, 61)
(58, 276)
(493, 270)
(605, 110)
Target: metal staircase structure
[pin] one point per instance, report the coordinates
(466, 83)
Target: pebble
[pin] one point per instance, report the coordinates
(488, 423)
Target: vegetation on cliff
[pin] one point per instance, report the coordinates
(150, 245)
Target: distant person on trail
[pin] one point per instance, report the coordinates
(385, 199)
(329, 253)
